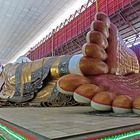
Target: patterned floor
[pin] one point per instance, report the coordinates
(66, 121)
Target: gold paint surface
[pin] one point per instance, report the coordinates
(12, 80)
(37, 64)
(27, 70)
(43, 95)
(54, 68)
(25, 76)
(8, 73)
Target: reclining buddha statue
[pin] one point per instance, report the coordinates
(105, 76)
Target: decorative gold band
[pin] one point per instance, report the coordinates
(60, 66)
(54, 68)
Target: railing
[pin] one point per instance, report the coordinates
(77, 24)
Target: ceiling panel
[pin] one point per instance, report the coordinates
(23, 20)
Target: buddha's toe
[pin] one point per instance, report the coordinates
(102, 101)
(122, 104)
(136, 105)
(84, 93)
(69, 83)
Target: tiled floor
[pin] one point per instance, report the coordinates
(63, 121)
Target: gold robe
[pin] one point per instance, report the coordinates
(33, 80)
